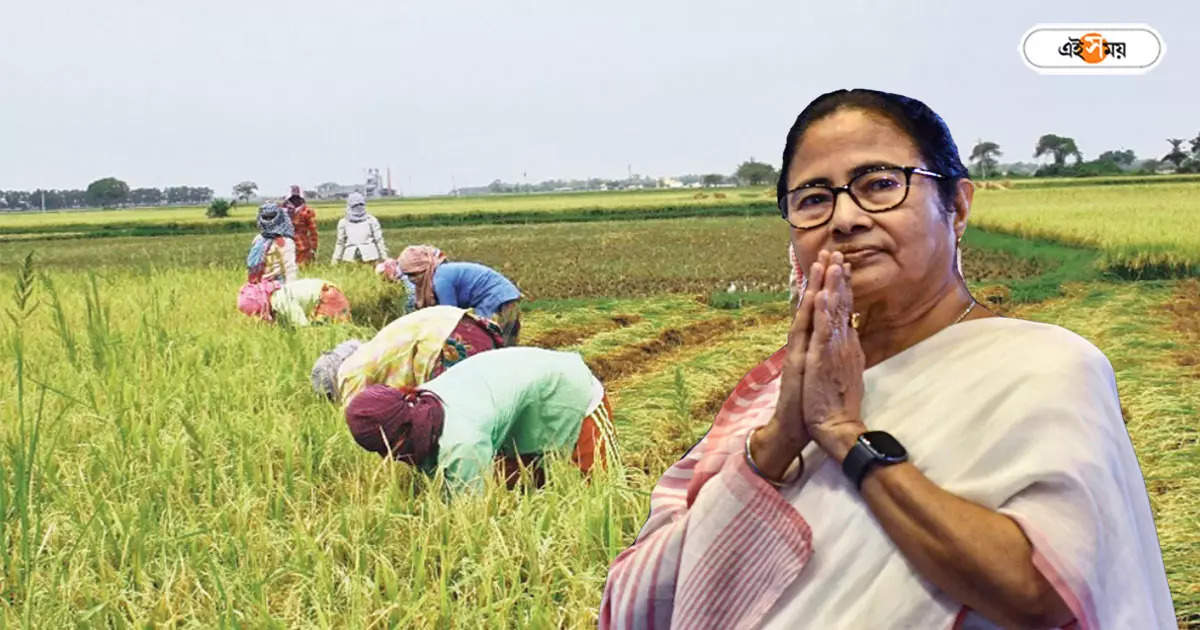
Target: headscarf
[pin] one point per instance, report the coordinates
(405, 422)
(356, 208)
(324, 371)
(295, 198)
(389, 269)
(254, 298)
(422, 260)
(273, 222)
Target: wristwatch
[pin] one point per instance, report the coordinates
(873, 448)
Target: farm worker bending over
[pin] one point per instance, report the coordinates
(406, 353)
(510, 403)
(359, 236)
(304, 220)
(296, 304)
(463, 284)
(273, 252)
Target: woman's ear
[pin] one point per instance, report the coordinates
(964, 196)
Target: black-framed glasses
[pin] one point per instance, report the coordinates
(877, 189)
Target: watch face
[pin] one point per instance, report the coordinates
(884, 445)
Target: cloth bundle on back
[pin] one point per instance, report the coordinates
(507, 403)
(254, 299)
(359, 235)
(272, 253)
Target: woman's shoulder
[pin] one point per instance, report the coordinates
(1044, 346)
(455, 269)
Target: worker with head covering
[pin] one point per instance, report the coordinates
(462, 284)
(359, 236)
(304, 221)
(273, 251)
(510, 405)
(405, 353)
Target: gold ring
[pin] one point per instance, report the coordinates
(854, 319)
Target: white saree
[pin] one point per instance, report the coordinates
(1016, 416)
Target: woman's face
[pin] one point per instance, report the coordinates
(893, 252)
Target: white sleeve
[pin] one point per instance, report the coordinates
(340, 245)
(377, 234)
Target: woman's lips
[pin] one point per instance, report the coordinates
(858, 256)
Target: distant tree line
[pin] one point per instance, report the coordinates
(1059, 149)
(748, 173)
(108, 192)
(498, 186)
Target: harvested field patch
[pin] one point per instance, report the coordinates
(1184, 309)
(628, 360)
(986, 264)
(562, 337)
(633, 359)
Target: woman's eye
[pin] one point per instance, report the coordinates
(814, 200)
(883, 183)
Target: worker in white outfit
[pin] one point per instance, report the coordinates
(359, 236)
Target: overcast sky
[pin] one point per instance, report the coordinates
(447, 92)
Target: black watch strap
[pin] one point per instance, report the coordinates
(858, 461)
(873, 448)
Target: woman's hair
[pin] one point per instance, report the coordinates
(926, 129)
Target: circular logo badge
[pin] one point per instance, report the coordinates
(1092, 48)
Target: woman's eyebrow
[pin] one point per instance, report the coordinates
(854, 172)
(863, 168)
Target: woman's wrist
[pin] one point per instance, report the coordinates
(840, 438)
(771, 452)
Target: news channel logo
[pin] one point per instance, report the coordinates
(1092, 48)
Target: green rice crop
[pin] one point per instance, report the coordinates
(1141, 230)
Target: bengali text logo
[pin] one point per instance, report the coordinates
(1092, 49)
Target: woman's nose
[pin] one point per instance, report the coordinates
(847, 214)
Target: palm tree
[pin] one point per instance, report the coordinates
(1059, 147)
(1176, 156)
(985, 154)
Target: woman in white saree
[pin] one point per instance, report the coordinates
(908, 459)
